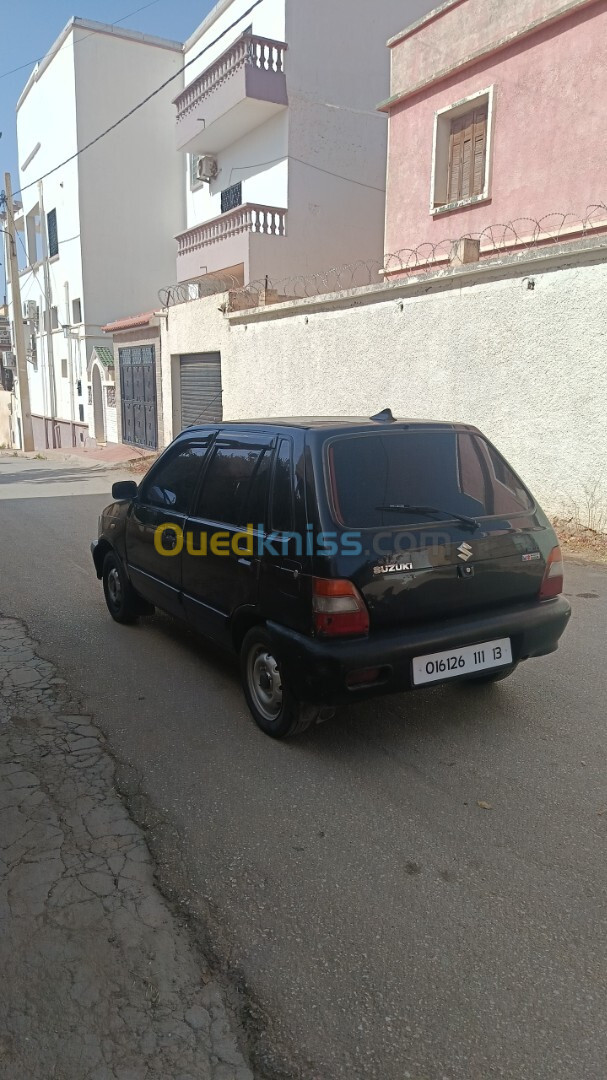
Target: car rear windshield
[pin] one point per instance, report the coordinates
(455, 472)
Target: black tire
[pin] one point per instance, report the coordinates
(272, 705)
(123, 603)
(493, 676)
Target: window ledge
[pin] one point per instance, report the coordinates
(461, 204)
(31, 268)
(54, 258)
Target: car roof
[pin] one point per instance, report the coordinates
(325, 424)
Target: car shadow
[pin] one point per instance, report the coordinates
(391, 725)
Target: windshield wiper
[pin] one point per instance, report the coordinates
(471, 523)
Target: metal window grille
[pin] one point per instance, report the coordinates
(51, 228)
(231, 197)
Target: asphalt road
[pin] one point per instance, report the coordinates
(387, 926)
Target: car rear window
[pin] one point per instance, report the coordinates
(453, 471)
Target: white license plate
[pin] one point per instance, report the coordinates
(463, 661)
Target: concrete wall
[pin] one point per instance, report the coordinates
(47, 116)
(5, 418)
(131, 192)
(528, 366)
(324, 159)
(245, 161)
(118, 204)
(458, 30)
(549, 90)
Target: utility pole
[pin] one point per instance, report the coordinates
(24, 388)
(52, 385)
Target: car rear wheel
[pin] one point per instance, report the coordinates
(123, 603)
(493, 676)
(272, 705)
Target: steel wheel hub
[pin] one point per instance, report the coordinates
(265, 682)
(114, 587)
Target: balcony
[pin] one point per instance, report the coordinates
(234, 240)
(240, 91)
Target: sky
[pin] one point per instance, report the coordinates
(30, 27)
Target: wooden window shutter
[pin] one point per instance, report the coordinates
(467, 155)
(479, 143)
(455, 162)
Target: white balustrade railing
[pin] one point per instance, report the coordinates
(259, 52)
(248, 218)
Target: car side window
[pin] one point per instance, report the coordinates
(235, 488)
(171, 485)
(282, 518)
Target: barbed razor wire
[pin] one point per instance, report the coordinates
(515, 237)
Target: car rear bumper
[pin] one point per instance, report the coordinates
(317, 669)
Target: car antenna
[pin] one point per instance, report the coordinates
(384, 417)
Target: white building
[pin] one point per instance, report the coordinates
(284, 153)
(106, 219)
(280, 113)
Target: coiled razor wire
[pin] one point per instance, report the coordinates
(521, 234)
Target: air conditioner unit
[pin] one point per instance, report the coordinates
(32, 312)
(206, 168)
(10, 360)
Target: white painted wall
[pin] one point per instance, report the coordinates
(131, 193)
(5, 418)
(526, 366)
(338, 69)
(119, 204)
(47, 115)
(259, 160)
(333, 184)
(267, 20)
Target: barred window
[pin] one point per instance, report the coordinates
(51, 229)
(231, 197)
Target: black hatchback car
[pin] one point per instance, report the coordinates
(341, 558)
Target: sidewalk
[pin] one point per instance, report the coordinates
(99, 979)
(110, 454)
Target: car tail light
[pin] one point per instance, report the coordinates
(338, 608)
(552, 585)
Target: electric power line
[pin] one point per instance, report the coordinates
(39, 59)
(300, 161)
(140, 105)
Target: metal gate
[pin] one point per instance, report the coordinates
(138, 395)
(200, 389)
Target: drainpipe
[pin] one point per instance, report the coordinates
(70, 360)
(50, 359)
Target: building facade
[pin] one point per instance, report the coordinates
(95, 236)
(495, 115)
(283, 150)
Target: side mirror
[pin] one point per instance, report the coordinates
(124, 489)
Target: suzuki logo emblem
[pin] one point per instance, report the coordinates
(464, 552)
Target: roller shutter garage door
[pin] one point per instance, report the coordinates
(200, 388)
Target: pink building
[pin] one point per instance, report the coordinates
(496, 114)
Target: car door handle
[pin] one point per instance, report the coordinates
(245, 562)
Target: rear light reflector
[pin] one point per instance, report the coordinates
(339, 609)
(364, 677)
(552, 585)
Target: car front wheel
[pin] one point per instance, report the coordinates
(123, 603)
(272, 705)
